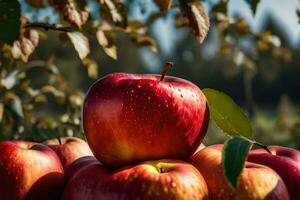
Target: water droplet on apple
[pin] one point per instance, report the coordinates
(173, 184)
(149, 98)
(139, 86)
(168, 179)
(132, 91)
(165, 189)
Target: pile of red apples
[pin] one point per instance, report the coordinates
(144, 135)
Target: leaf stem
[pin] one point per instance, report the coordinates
(265, 147)
(50, 27)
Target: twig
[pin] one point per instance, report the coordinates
(50, 27)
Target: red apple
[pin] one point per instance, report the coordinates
(285, 161)
(29, 171)
(256, 182)
(69, 149)
(129, 118)
(151, 180)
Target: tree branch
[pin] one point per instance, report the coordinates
(50, 27)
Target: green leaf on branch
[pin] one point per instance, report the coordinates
(233, 158)
(9, 20)
(164, 5)
(253, 4)
(227, 114)
(197, 16)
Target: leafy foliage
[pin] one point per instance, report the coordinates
(21, 97)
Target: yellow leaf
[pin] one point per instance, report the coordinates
(164, 5)
(198, 18)
(81, 43)
(73, 13)
(25, 46)
(107, 39)
(144, 40)
(1, 111)
(115, 11)
(92, 67)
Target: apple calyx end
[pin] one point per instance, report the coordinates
(167, 67)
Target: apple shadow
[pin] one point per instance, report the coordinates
(48, 187)
(78, 164)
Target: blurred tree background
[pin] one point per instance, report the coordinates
(251, 52)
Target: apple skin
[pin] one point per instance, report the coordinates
(29, 171)
(69, 149)
(130, 118)
(256, 182)
(151, 180)
(285, 161)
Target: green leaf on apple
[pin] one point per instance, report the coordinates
(233, 158)
(9, 20)
(227, 114)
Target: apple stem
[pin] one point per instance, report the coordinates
(161, 170)
(265, 147)
(59, 140)
(167, 67)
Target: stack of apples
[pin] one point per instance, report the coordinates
(145, 134)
